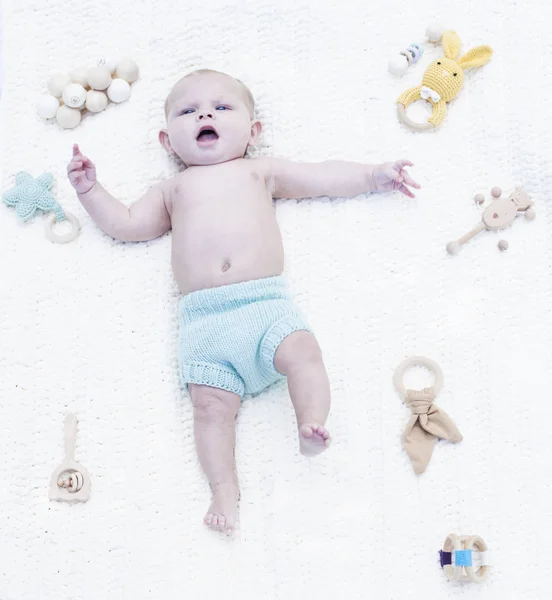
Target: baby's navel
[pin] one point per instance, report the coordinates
(225, 267)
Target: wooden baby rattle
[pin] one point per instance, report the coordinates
(465, 558)
(500, 214)
(70, 482)
(442, 81)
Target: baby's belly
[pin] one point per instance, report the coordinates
(210, 258)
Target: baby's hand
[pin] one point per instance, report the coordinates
(392, 176)
(81, 172)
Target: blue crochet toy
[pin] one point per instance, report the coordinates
(30, 195)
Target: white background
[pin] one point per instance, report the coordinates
(90, 327)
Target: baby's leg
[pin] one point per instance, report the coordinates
(215, 435)
(300, 359)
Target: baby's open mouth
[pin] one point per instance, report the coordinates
(207, 135)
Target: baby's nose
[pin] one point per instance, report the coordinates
(207, 115)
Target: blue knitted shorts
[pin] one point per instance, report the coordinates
(228, 335)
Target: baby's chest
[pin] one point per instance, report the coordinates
(218, 193)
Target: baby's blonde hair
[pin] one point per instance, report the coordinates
(249, 99)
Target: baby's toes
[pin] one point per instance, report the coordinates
(307, 431)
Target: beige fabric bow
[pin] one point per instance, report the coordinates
(427, 423)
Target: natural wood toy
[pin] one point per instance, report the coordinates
(442, 81)
(500, 213)
(87, 89)
(428, 422)
(465, 558)
(70, 482)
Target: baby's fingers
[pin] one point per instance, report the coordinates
(74, 165)
(404, 190)
(400, 164)
(409, 181)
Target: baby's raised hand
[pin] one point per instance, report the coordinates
(392, 176)
(81, 171)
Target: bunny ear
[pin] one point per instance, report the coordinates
(476, 57)
(451, 44)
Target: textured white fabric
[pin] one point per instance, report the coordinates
(90, 326)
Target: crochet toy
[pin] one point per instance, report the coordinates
(500, 214)
(30, 195)
(87, 89)
(399, 64)
(427, 422)
(465, 558)
(70, 482)
(442, 81)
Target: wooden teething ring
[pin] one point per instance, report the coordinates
(418, 361)
(59, 238)
(404, 118)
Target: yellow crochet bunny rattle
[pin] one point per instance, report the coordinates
(442, 81)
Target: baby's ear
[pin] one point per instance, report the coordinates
(165, 141)
(476, 57)
(256, 129)
(451, 44)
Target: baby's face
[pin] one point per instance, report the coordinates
(209, 120)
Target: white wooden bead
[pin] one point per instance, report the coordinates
(118, 91)
(57, 83)
(68, 118)
(398, 65)
(47, 106)
(74, 95)
(127, 69)
(99, 78)
(96, 101)
(435, 32)
(108, 63)
(80, 76)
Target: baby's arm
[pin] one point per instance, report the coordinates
(290, 179)
(146, 219)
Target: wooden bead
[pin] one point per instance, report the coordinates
(99, 78)
(503, 245)
(68, 118)
(96, 101)
(127, 69)
(47, 106)
(57, 83)
(496, 192)
(479, 198)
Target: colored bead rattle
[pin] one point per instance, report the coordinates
(398, 65)
(500, 213)
(465, 558)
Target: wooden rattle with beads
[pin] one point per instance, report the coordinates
(398, 65)
(500, 213)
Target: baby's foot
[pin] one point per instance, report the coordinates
(313, 439)
(223, 512)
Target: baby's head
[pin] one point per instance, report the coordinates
(210, 119)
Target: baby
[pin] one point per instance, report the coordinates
(240, 330)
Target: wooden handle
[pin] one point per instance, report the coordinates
(468, 236)
(70, 436)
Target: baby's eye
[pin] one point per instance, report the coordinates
(187, 111)
(222, 107)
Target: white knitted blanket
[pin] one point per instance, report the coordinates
(90, 327)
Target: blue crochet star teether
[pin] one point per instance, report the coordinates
(30, 195)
